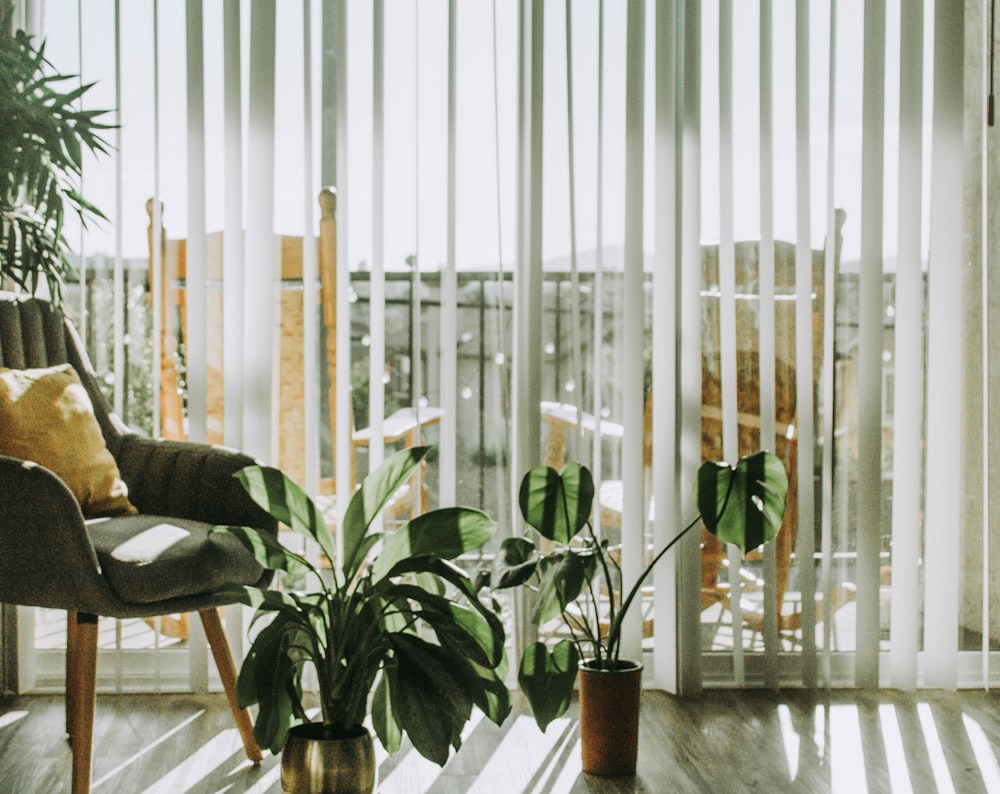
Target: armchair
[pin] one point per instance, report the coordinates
(159, 559)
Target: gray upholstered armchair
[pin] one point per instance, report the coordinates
(160, 558)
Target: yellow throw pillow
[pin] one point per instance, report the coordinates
(46, 416)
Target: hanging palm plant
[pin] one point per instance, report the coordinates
(43, 135)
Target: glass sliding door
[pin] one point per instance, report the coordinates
(637, 235)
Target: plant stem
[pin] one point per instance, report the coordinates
(614, 635)
(612, 653)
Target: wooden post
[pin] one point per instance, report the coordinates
(328, 295)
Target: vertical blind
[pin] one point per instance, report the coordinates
(542, 188)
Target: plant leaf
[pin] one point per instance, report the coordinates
(547, 678)
(281, 497)
(516, 562)
(383, 719)
(445, 533)
(375, 492)
(267, 549)
(271, 676)
(743, 504)
(459, 579)
(557, 504)
(430, 699)
(564, 576)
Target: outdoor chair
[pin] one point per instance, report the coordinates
(562, 423)
(403, 427)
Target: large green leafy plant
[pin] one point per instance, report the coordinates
(395, 629)
(573, 572)
(43, 136)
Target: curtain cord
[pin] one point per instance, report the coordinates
(989, 104)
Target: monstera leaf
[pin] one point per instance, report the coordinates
(557, 504)
(743, 504)
(547, 677)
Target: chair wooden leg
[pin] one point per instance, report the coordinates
(72, 650)
(83, 685)
(227, 672)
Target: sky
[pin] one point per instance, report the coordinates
(414, 169)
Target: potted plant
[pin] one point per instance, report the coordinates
(575, 577)
(43, 138)
(394, 630)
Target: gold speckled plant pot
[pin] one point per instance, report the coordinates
(314, 762)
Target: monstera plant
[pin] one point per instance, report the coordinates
(44, 134)
(575, 577)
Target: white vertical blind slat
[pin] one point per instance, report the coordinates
(195, 335)
(689, 352)
(342, 434)
(119, 272)
(232, 236)
(944, 496)
(986, 43)
(260, 265)
(665, 330)
(84, 320)
(525, 446)
(310, 266)
(908, 406)
(633, 322)
(195, 347)
(727, 306)
(804, 400)
(870, 345)
(828, 428)
(767, 330)
(597, 339)
(376, 303)
(232, 262)
(576, 335)
(449, 285)
(416, 298)
(156, 263)
(525, 442)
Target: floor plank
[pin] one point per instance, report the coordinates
(724, 741)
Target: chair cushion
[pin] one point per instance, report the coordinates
(148, 558)
(46, 416)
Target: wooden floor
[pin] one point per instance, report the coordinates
(725, 741)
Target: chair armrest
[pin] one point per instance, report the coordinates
(183, 479)
(46, 557)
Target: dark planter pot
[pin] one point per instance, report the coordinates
(609, 717)
(315, 761)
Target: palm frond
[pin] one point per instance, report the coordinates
(44, 139)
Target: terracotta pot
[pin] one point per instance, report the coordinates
(316, 761)
(609, 717)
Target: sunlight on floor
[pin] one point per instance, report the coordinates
(985, 756)
(847, 768)
(912, 748)
(533, 752)
(414, 772)
(935, 752)
(838, 742)
(895, 752)
(147, 749)
(208, 756)
(11, 717)
(790, 739)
